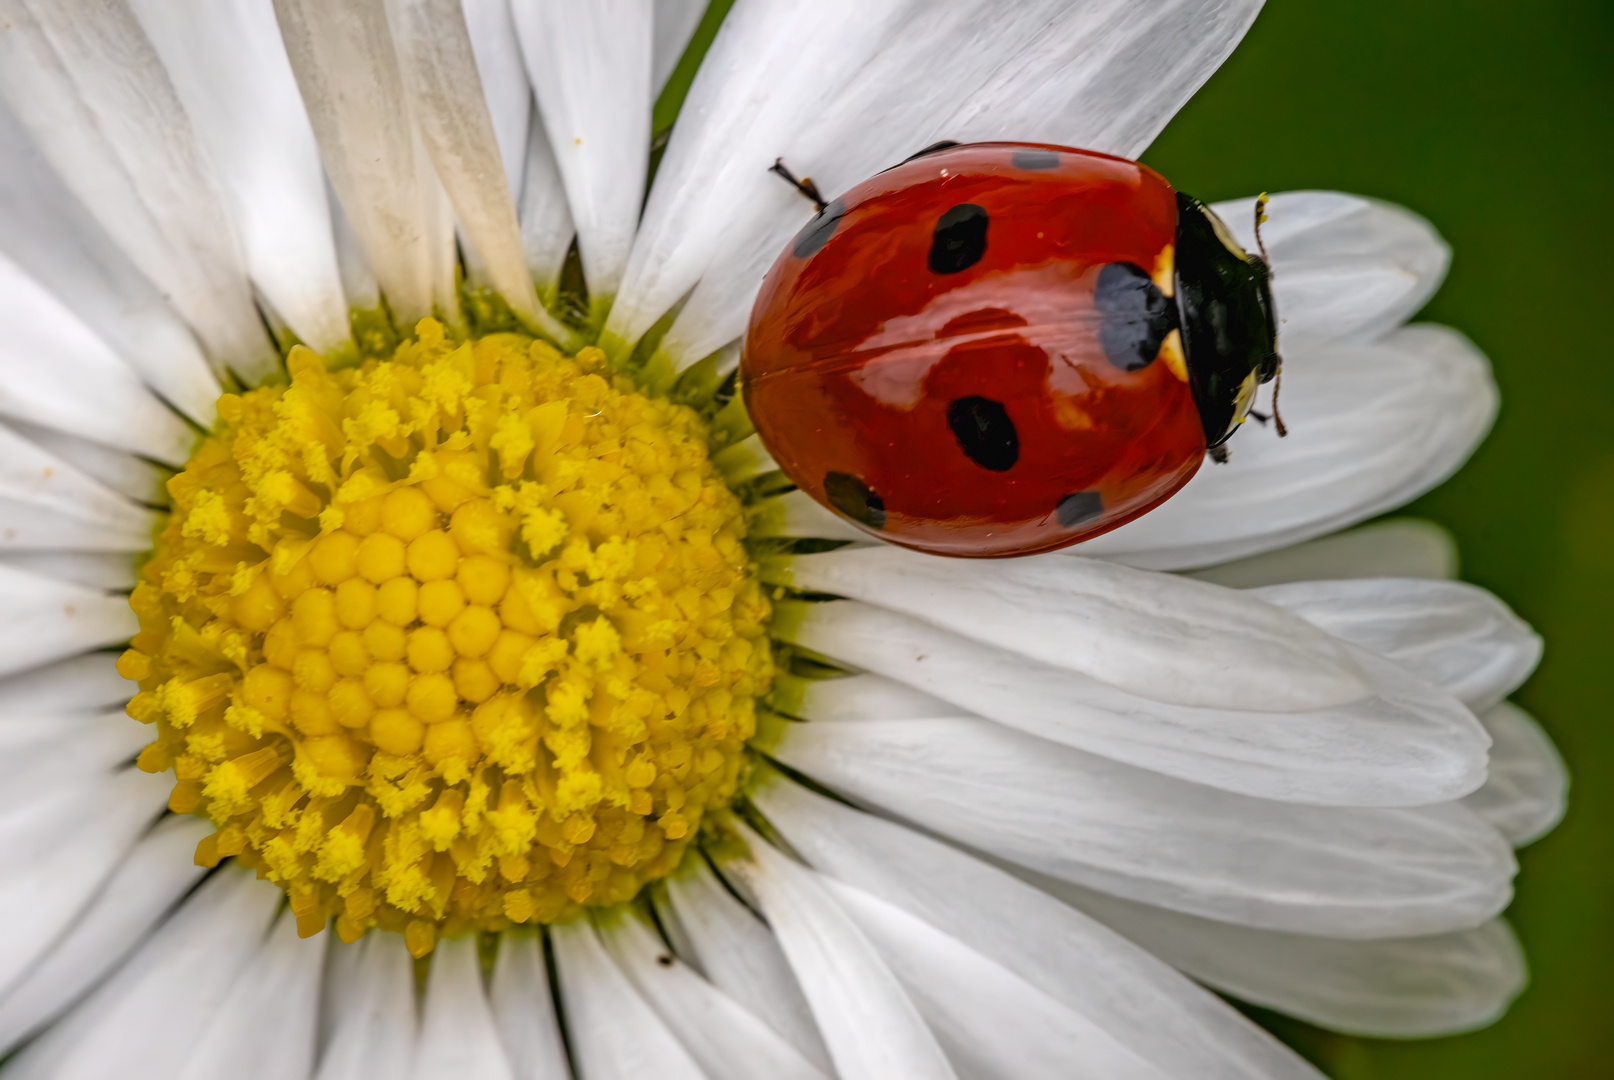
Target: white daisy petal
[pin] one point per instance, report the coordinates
(1454, 635)
(230, 71)
(145, 1020)
(67, 861)
(504, 81)
(85, 80)
(524, 1009)
(726, 1039)
(58, 243)
(445, 89)
(855, 697)
(1371, 425)
(745, 460)
(1095, 973)
(615, 1035)
(48, 505)
(87, 682)
(1528, 788)
(1155, 635)
(797, 514)
(156, 873)
(113, 571)
(86, 389)
(374, 1034)
(458, 1038)
(590, 65)
(265, 1028)
(675, 24)
(1342, 266)
(546, 220)
(870, 1026)
(1356, 873)
(348, 73)
(1400, 547)
(1406, 743)
(723, 940)
(138, 479)
(48, 620)
(990, 1021)
(1400, 988)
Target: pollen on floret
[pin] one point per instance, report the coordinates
(447, 639)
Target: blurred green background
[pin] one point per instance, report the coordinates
(1493, 120)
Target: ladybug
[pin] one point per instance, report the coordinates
(1000, 349)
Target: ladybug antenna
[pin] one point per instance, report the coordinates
(805, 185)
(1260, 220)
(1277, 417)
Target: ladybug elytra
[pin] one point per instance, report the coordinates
(999, 349)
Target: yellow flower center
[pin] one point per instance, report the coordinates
(455, 639)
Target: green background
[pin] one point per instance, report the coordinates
(1492, 120)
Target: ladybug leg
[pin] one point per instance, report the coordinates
(1218, 454)
(805, 185)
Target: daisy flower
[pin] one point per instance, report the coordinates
(367, 397)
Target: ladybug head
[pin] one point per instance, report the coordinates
(1229, 326)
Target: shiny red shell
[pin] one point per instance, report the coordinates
(881, 383)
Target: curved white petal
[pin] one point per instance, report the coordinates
(872, 1029)
(723, 940)
(1357, 873)
(1454, 635)
(156, 873)
(458, 1038)
(855, 697)
(1158, 636)
(86, 682)
(1527, 791)
(343, 59)
(134, 477)
(445, 89)
(374, 1032)
(1405, 743)
(48, 620)
(47, 504)
(504, 81)
(47, 231)
(615, 1035)
(72, 858)
(85, 80)
(745, 460)
(524, 1009)
(990, 1021)
(796, 514)
(1095, 973)
(1105, 76)
(1400, 547)
(144, 1021)
(85, 389)
(1371, 425)
(546, 219)
(1399, 988)
(1343, 266)
(113, 571)
(590, 65)
(675, 24)
(229, 68)
(265, 1028)
(728, 1040)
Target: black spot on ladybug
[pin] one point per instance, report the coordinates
(1137, 315)
(1075, 509)
(945, 144)
(984, 432)
(816, 233)
(853, 498)
(1034, 159)
(959, 240)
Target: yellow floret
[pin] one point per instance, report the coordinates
(450, 639)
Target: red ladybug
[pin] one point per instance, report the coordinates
(1003, 348)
